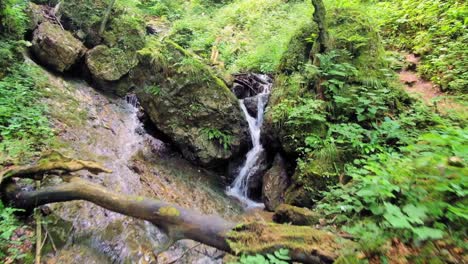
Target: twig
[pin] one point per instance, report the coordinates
(37, 216)
(51, 239)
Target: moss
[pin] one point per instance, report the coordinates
(267, 237)
(169, 211)
(184, 81)
(84, 18)
(298, 48)
(126, 32)
(286, 213)
(109, 64)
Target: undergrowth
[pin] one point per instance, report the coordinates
(436, 30)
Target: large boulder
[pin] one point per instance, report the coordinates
(56, 47)
(108, 64)
(275, 183)
(189, 104)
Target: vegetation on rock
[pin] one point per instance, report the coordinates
(369, 162)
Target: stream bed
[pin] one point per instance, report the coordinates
(94, 126)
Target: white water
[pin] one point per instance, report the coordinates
(240, 187)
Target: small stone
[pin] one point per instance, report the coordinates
(456, 162)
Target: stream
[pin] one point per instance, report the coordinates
(95, 126)
(240, 187)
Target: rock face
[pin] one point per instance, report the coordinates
(251, 105)
(56, 47)
(189, 104)
(275, 182)
(286, 213)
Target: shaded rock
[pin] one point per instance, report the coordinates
(251, 105)
(249, 84)
(56, 47)
(83, 18)
(275, 183)
(256, 177)
(108, 64)
(189, 104)
(286, 213)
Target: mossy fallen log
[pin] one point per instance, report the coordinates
(306, 244)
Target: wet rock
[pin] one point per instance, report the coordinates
(256, 177)
(251, 105)
(108, 64)
(249, 84)
(56, 47)
(189, 104)
(286, 213)
(275, 183)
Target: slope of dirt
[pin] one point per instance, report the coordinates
(426, 90)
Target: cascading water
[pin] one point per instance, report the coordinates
(240, 187)
(109, 131)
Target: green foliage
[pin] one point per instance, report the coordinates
(8, 225)
(280, 256)
(153, 89)
(415, 195)
(23, 124)
(162, 8)
(12, 18)
(221, 137)
(437, 30)
(242, 31)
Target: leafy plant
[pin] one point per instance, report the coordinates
(222, 138)
(417, 195)
(280, 256)
(9, 251)
(23, 124)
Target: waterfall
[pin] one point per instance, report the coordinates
(240, 187)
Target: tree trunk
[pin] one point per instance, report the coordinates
(306, 244)
(106, 17)
(320, 18)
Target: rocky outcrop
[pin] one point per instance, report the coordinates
(189, 104)
(56, 47)
(108, 64)
(286, 213)
(109, 68)
(275, 183)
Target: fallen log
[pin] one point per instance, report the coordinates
(306, 244)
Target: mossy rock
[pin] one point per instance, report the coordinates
(56, 47)
(189, 104)
(125, 31)
(83, 18)
(35, 16)
(276, 132)
(286, 213)
(299, 47)
(109, 64)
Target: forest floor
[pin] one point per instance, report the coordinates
(426, 90)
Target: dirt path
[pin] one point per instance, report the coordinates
(426, 90)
